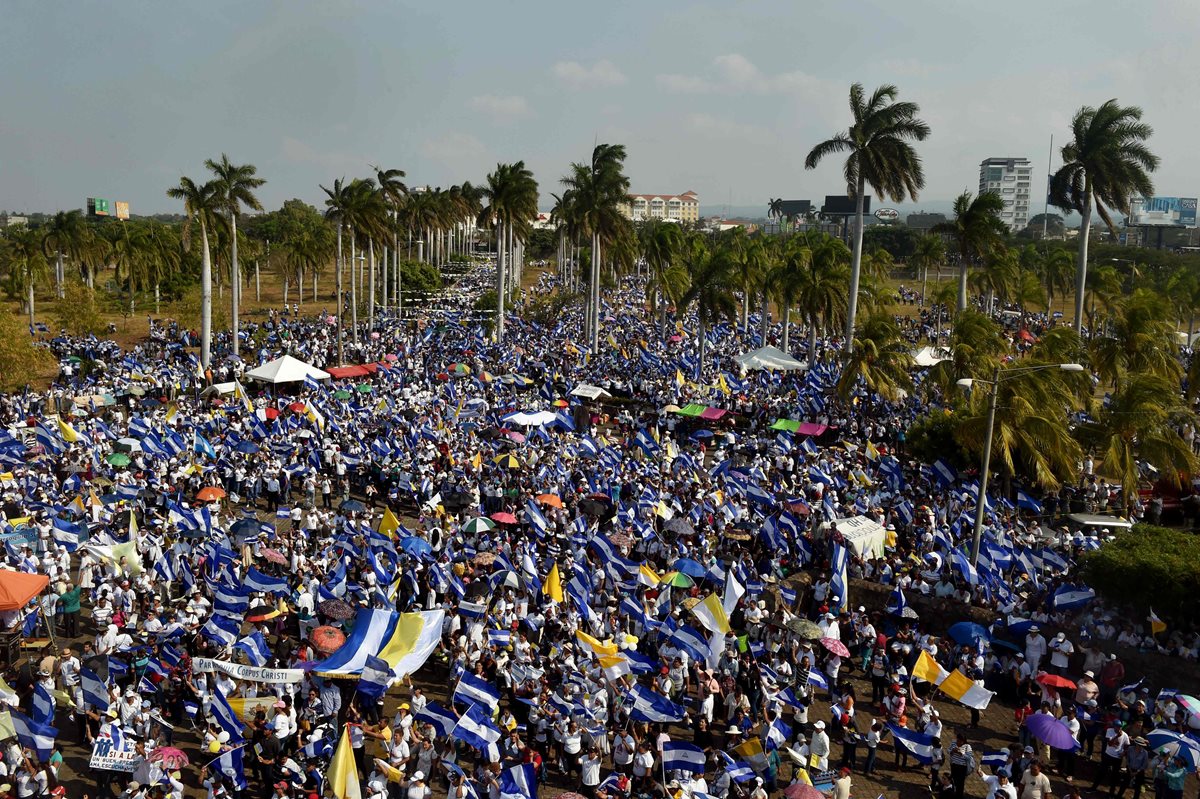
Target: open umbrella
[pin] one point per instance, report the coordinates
(364, 388)
(507, 461)
(262, 612)
(171, 758)
(553, 500)
(480, 525)
(504, 518)
(342, 394)
(689, 567)
(677, 580)
(804, 628)
(117, 459)
(417, 547)
(968, 632)
(336, 609)
(1054, 681)
(1177, 745)
(1051, 731)
(352, 506)
(297, 407)
(274, 556)
(326, 639)
(210, 494)
(246, 447)
(836, 647)
(129, 445)
(802, 790)
(680, 526)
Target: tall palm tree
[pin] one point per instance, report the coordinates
(711, 276)
(1104, 164)
(338, 204)
(163, 251)
(882, 362)
(1139, 339)
(235, 185)
(821, 291)
(65, 235)
(601, 190)
(26, 264)
(787, 280)
(511, 196)
(1103, 287)
(879, 154)
(391, 186)
(999, 278)
(200, 206)
(930, 251)
(662, 245)
(977, 230)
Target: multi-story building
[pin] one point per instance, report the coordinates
(924, 222)
(671, 207)
(1010, 178)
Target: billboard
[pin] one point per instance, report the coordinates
(122, 209)
(97, 206)
(843, 205)
(1162, 212)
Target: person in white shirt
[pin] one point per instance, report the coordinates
(997, 784)
(1035, 647)
(1060, 654)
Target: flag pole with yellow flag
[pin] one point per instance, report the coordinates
(553, 585)
(342, 775)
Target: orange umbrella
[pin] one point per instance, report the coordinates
(210, 494)
(327, 639)
(553, 500)
(17, 588)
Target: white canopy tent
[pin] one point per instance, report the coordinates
(930, 356)
(286, 370)
(863, 535)
(589, 392)
(770, 358)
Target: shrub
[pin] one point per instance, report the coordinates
(1149, 566)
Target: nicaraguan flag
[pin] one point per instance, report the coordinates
(375, 677)
(229, 763)
(738, 770)
(1070, 597)
(265, 584)
(1026, 502)
(32, 735)
(839, 579)
(681, 756)
(43, 706)
(944, 473)
(226, 718)
(255, 647)
(778, 734)
(918, 745)
(994, 759)
(442, 719)
(321, 747)
(520, 780)
(95, 692)
(475, 729)
(645, 705)
(476, 690)
(500, 638)
(896, 602)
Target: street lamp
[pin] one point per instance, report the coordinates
(997, 378)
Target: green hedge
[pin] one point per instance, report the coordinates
(1149, 567)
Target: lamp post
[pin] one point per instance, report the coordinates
(998, 377)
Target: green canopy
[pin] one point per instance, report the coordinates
(789, 425)
(692, 409)
(118, 459)
(364, 388)
(342, 394)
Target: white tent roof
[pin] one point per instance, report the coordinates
(590, 392)
(769, 358)
(286, 370)
(930, 356)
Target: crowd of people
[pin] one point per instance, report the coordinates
(496, 569)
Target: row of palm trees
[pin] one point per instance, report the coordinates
(1105, 162)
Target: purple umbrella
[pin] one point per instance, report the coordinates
(1051, 731)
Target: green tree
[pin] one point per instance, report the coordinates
(882, 362)
(928, 252)
(1105, 162)
(200, 206)
(66, 235)
(662, 243)
(77, 312)
(976, 346)
(1149, 567)
(26, 264)
(878, 154)
(20, 359)
(977, 231)
(711, 276)
(822, 285)
(234, 187)
(1139, 339)
(509, 202)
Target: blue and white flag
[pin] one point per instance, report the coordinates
(476, 690)
(265, 584)
(916, 744)
(1026, 502)
(222, 629)
(226, 718)
(778, 734)
(500, 638)
(321, 747)
(896, 602)
(43, 705)
(994, 759)
(229, 763)
(645, 705)
(681, 756)
(32, 735)
(839, 583)
(1071, 597)
(738, 770)
(95, 691)
(255, 647)
(944, 473)
(442, 719)
(520, 780)
(475, 729)
(375, 677)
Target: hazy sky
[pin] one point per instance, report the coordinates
(118, 99)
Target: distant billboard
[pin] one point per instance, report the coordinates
(97, 206)
(1162, 212)
(122, 209)
(842, 205)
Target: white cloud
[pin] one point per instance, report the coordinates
(734, 72)
(714, 127)
(298, 152)
(602, 74)
(500, 108)
(456, 150)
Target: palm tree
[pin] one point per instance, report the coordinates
(787, 280)
(66, 235)
(1141, 422)
(662, 243)
(879, 155)
(710, 275)
(511, 197)
(821, 291)
(1055, 270)
(26, 263)
(600, 189)
(930, 251)
(999, 278)
(977, 230)
(1103, 286)
(394, 192)
(338, 203)
(200, 205)
(235, 185)
(129, 253)
(163, 256)
(1140, 339)
(882, 361)
(976, 346)
(1104, 164)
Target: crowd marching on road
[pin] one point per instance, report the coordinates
(494, 570)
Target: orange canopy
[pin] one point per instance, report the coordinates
(17, 588)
